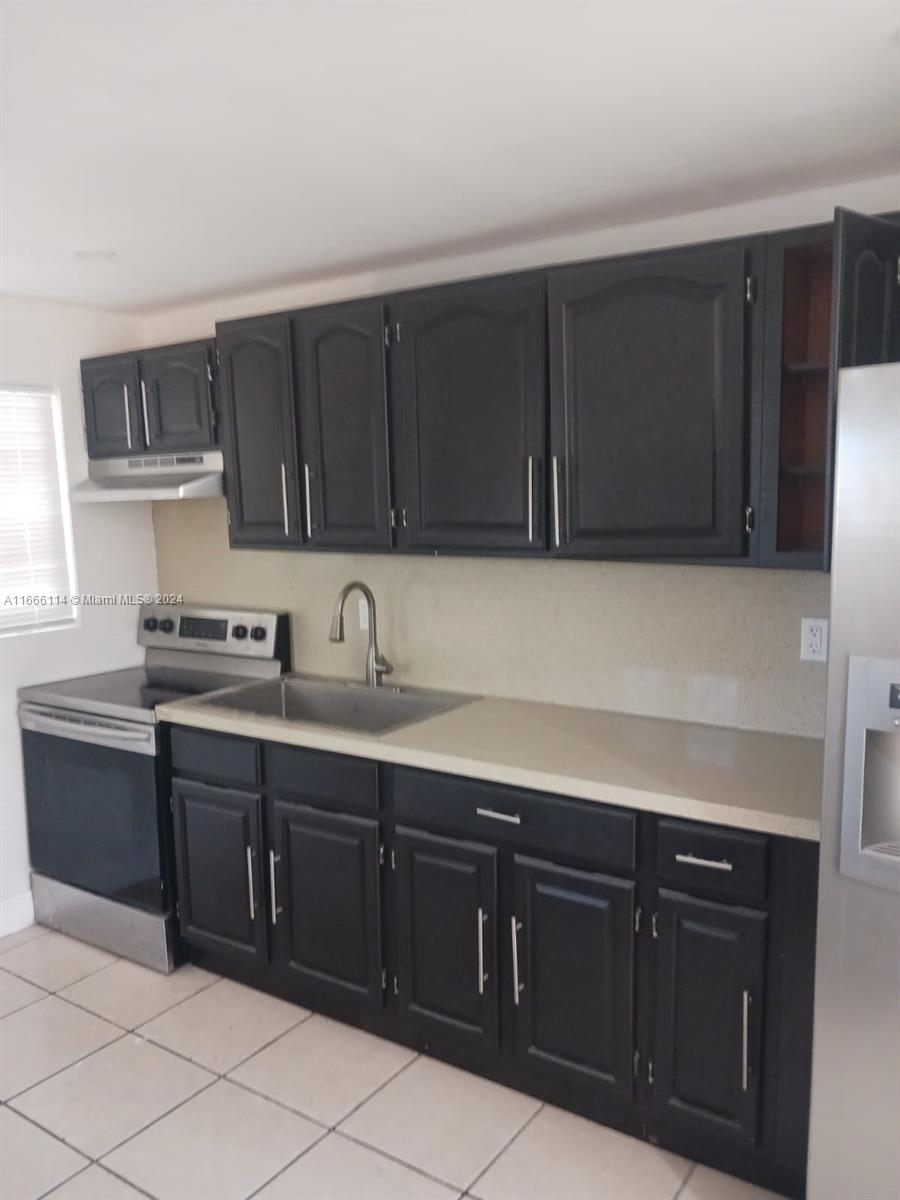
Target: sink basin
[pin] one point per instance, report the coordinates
(340, 705)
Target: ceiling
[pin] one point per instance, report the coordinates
(208, 146)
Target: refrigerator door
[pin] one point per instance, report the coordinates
(854, 1148)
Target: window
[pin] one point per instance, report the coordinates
(37, 574)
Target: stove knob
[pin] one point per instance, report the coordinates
(166, 625)
(150, 624)
(258, 633)
(239, 632)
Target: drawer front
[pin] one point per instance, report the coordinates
(214, 756)
(550, 824)
(315, 776)
(719, 860)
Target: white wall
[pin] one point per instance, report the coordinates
(41, 345)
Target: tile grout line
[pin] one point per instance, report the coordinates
(504, 1148)
(82, 1058)
(55, 991)
(132, 1028)
(455, 1187)
(686, 1180)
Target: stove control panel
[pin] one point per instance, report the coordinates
(245, 633)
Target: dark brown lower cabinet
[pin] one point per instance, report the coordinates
(324, 900)
(447, 935)
(710, 989)
(572, 948)
(217, 856)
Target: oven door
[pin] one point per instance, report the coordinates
(96, 809)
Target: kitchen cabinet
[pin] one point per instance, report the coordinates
(572, 952)
(467, 368)
(710, 999)
(325, 901)
(258, 432)
(110, 388)
(177, 396)
(217, 856)
(649, 387)
(341, 372)
(447, 934)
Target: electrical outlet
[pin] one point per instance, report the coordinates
(814, 639)
(363, 614)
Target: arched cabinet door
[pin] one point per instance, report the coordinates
(111, 422)
(177, 396)
(258, 435)
(467, 369)
(341, 376)
(649, 386)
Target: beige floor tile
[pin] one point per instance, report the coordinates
(95, 1184)
(54, 961)
(225, 1143)
(323, 1069)
(45, 1037)
(338, 1169)
(28, 934)
(31, 1161)
(130, 995)
(441, 1120)
(563, 1155)
(707, 1184)
(108, 1097)
(223, 1025)
(15, 993)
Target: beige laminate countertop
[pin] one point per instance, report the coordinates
(760, 781)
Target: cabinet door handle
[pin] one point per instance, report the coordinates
(556, 500)
(284, 508)
(745, 1038)
(308, 506)
(482, 919)
(515, 927)
(273, 859)
(144, 408)
(530, 498)
(710, 864)
(127, 414)
(491, 814)
(250, 894)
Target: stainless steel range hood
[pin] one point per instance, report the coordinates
(182, 476)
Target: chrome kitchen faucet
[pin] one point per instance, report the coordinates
(376, 664)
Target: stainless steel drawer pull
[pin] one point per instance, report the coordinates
(530, 497)
(515, 929)
(711, 864)
(273, 859)
(509, 818)
(284, 507)
(482, 918)
(556, 500)
(127, 414)
(250, 894)
(308, 505)
(144, 407)
(745, 1038)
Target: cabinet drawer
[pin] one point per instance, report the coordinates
(467, 808)
(312, 775)
(214, 756)
(719, 860)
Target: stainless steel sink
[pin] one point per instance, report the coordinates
(337, 704)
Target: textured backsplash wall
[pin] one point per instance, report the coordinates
(714, 644)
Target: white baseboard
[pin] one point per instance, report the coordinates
(16, 912)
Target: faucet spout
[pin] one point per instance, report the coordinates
(376, 664)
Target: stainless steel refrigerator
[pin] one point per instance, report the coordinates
(854, 1147)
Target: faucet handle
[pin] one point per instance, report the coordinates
(382, 666)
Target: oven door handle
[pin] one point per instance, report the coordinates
(110, 734)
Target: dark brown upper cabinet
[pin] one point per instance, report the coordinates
(110, 387)
(649, 382)
(343, 412)
(258, 433)
(177, 396)
(468, 387)
(832, 301)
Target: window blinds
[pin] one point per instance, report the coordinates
(36, 577)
